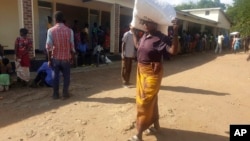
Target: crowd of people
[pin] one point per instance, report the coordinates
(204, 42)
(91, 46)
(199, 42)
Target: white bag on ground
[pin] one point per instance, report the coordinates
(158, 11)
(107, 60)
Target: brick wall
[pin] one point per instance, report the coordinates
(27, 16)
(27, 21)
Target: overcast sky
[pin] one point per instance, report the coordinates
(177, 2)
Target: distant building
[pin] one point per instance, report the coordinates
(222, 22)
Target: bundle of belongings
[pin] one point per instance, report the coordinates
(161, 12)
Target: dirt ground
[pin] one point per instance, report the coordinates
(201, 95)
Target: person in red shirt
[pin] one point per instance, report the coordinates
(23, 54)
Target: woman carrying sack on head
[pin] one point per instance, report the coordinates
(23, 52)
(150, 49)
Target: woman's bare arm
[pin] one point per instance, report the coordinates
(174, 47)
(135, 38)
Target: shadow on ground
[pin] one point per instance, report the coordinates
(27, 102)
(187, 90)
(182, 135)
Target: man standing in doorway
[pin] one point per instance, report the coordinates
(128, 55)
(219, 43)
(60, 48)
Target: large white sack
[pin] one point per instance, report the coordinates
(158, 11)
(136, 24)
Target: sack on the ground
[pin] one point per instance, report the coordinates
(97, 49)
(107, 60)
(161, 12)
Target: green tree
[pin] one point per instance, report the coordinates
(219, 4)
(240, 16)
(183, 6)
(205, 4)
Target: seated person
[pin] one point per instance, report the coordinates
(44, 76)
(99, 55)
(5, 71)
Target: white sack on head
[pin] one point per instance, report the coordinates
(158, 11)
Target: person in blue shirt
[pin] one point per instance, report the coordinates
(44, 76)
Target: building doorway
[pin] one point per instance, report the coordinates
(93, 18)
(44, 12)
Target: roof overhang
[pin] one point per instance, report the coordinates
(192, 18)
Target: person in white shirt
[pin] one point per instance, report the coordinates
(219, 43)
(127, 55)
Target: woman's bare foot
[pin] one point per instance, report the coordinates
(134, 138)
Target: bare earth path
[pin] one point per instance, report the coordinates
(201, 95)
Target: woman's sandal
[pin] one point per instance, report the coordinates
(150, 131)
(134, 138)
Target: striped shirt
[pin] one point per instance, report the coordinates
(60, 41)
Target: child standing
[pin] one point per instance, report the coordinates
(5, 71)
